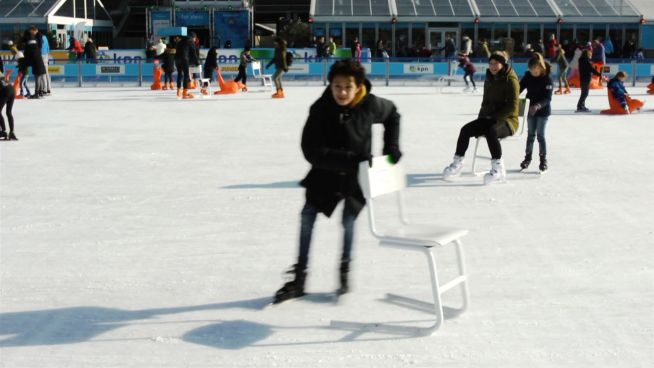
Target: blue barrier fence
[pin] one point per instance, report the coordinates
(140, 72)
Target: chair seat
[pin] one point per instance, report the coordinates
(422, 235)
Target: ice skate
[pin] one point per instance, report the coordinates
(582, 109)
(343, 272)
(559, 91)
(525, 163)
(187, 94)
(467, 89)
(292, 289)
(3, 135)
(453, 169)
(496, 173)
(12, 137)
(567, 90)
(542, 167)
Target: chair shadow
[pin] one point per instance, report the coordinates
(276, 185)
(436, 180)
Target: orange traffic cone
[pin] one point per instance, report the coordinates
(156, 85)
(19, 77)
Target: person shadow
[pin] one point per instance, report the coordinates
(80, 324)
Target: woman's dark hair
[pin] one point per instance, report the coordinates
(348, 68)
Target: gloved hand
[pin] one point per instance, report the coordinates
(533, 109)
(394, 154)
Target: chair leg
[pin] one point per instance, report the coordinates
(474, 157)
(438, 305)
(458, 246)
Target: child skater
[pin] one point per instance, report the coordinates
(619, 100)
(468, 71)
(245, 59)
(539, 87)
(7, 95)
(336, 137)
(169, 66)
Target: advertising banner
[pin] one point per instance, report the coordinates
(192, 18)
(418, 68)
(110, 69)
(160, 19)
(231, 26)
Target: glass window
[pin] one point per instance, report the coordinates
(549, 33)
(632, 35)
(533, 36)
(336, 32)
(417, 37)
(401, 40)
(599, 30)
(468, 29)
(583, 34)
(368, 39)
(385, 35)
(566, 39)
(518, 35)
(615, 35)
(500, 32)
(351, 32)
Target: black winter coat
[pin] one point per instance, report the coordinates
(186, 52)
(335, 139)
(539, 91)
(586, 70)
(33, 58)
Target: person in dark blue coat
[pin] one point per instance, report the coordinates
(539, 86)
(586, 72)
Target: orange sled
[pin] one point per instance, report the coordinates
(616, 109)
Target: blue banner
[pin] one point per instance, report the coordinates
(233, 26)
(192, 18)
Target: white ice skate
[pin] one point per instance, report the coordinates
(496, 173)
(474, 90)
(453, 169)
(467, 89)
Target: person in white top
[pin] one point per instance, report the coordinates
(159, 48)
(466, 48)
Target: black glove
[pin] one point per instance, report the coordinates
(394, 154)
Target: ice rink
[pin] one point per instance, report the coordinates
(138, 230)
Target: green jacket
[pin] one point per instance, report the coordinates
(501, 98)
(562, 61)
(331, 49)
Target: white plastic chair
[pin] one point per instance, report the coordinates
(385, 178)
(257, 72)
(523, 111)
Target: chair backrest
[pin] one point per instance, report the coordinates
(382, 178)
(256, 68)
(523, 111)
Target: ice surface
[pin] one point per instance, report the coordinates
(142, 231)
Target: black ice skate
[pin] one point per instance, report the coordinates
(3, 135)
(543, 164)
(293, 288)
(344, 270)
(12, 137)
(525, 163)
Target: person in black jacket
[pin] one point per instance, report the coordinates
(7, 96)
(185, 55)
(539, 86)
(169, 66)
(33, 58)
(281, 67)
(586, 72)
(210, 63)
(336, 137)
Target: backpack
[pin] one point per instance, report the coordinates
(289, 58)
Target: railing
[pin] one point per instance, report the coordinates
(139, 72)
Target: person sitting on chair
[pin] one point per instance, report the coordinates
(497, 119)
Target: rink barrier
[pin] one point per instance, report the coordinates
(82, 73)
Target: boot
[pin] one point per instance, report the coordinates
(279, 94)
(244, 89)
(559, 92)
(497, 172)
(567, 90)
(179, 93)
(344, 270)
(293, 288)
(543, 164)
(3, 135)
(453, 169)
(525, 163)
(12, 137)
(164, 87)
(274, 95)
(187, 94)
(204, 91)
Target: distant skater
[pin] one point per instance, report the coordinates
(7, 96)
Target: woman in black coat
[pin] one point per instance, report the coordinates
(33, 58)
(211, 63)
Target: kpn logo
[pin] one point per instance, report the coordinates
(418, 68)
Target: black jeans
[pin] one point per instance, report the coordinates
(585, 86)
(183, 75)
(489, 128)
(472, 78)
(242, 76)
(309, 213)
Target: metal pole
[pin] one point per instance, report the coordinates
(324, 71)
(140, 73)
(79, 73)
(633, 73)
(387, 65)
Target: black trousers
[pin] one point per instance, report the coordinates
(492, 130)
(7, 96)
(183, 74)
(585, 86)
(242, 76)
